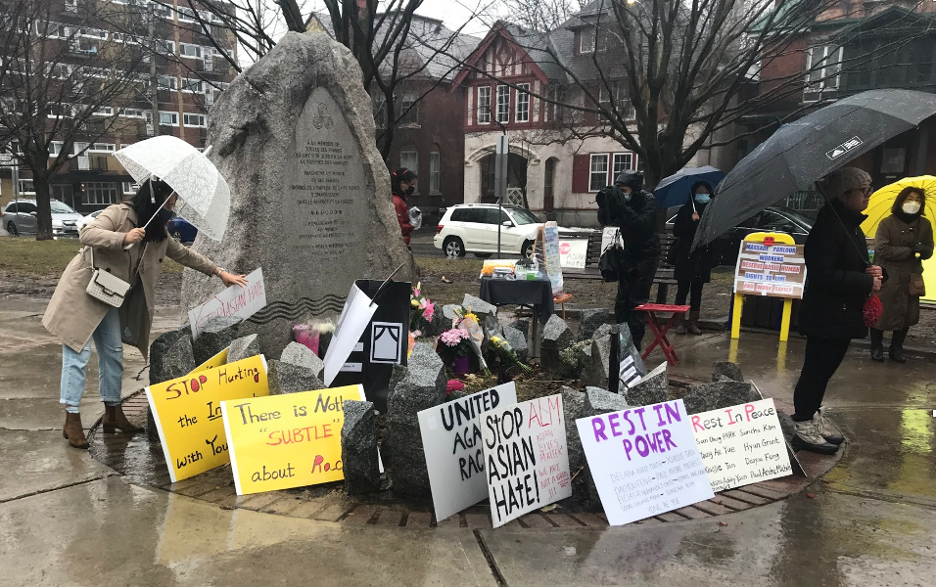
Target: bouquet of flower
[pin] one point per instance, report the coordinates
(476, 337)
(454, 343)
(423, 310)
(504, 352)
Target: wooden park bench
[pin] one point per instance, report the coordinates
(664, 274)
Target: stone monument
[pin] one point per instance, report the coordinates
(310, 194)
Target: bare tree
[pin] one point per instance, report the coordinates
(541, 15)
(666, 78)
(65, 83)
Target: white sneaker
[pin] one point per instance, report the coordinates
(807, 437)
(824, 427)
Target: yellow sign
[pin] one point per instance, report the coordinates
(188, 417)
(216, 361)
(288, 440)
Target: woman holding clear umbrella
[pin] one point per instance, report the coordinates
(118, 244)
(903, 240)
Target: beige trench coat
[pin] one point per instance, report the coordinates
(892, 251)
(73, 315)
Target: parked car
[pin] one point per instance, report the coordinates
(86, 219)
(19, 218)
(472, 228)
(773, 219)
(181, 230)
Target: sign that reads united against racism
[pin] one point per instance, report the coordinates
(644, 461)
(188, 414)
(451, 435)
(526, 457)
(741, 444)
(288, 440)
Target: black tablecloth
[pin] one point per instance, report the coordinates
(525, 292)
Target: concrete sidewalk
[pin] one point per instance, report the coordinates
(66, 519)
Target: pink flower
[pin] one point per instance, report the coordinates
(453, 337)
(454, 386)
(429, 311)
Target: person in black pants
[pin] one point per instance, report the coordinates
(627, 206)
(693, 269)
(839, 280)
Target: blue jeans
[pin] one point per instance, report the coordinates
(110, 365)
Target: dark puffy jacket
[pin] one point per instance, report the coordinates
(636, 219)
(836, 283)
(691, 266)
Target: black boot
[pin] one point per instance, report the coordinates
(877, 345)
(896, 348)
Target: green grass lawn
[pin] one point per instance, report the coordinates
(24, 256)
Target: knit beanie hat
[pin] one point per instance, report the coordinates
(843, 180)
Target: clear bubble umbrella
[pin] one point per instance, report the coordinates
(204, 197)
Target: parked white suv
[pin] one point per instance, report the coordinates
(472, 228)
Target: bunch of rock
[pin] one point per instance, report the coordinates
(652, 389)
(359, 457)
(591, 319)
(722, 394)
(557, 336)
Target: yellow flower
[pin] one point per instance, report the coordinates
(414, 303)
(472, 316)
(496, 340)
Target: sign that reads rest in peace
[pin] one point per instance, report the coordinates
(188, 414)
(741, 444)
(526, 457)
(288, 440)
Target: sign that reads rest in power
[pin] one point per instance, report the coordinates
(288, 440)
(188, 414)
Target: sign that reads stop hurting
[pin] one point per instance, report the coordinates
(188, 415)
(288, 440)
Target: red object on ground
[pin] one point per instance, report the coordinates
(454, 386)
(659, 332)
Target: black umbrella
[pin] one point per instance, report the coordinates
(803, 151)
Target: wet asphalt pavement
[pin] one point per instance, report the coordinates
(66, 519)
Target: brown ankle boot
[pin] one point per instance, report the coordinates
(114, 418)
(73, 431)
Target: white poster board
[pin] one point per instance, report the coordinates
(573, 253)
(770, 269)
(607, 237)
(355, 316)
(551, 252)
(451, 436)
(644, 461)
(741, 444)
(232, 301)
(526, 457)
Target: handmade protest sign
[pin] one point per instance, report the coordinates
(288, 440)
(573, 253)
(775, 269)
(644, 461)
(219, 359)
(741, 444)
(526, 458)
(232, 301)
(451, 436)
(188, 413)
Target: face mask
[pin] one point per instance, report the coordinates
(910, 207)
(410, 190)
(702, 198)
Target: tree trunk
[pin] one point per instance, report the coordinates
(44, 213)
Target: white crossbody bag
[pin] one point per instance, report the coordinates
(105, 286)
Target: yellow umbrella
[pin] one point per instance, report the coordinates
(880, 207)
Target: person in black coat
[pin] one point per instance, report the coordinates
(693, 269)
(839, 279)
(627, 206)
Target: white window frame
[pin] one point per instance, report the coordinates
(128, 188)
(522, 107)
(171, 86)
(187, 84)
(629, 158)
(503, 100)
(104, 111)
(435, 172)
(173, 117)
(71, 5)
(102, 148)
(484, 105)
(185, 10)
(165, 47)
(410, 154)
(55, 147)
(826, 81)
(92, 33)
(23, 190)
(101, 193)
(409, 100)
(200, 120)
(137, 113)
(587, 41)
(198, 51)
(594, 174)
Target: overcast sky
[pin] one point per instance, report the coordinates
(454, 13)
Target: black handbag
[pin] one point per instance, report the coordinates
(673, 254)
(609, 264)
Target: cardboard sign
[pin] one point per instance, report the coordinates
(218, 360)
(188, 413)
(451, 436)
(232, 301)
(526, 457)
(573, 253)
(288, 440)
(741, 444)
(777, 270)
(644, 461)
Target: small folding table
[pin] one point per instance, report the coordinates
(659, 332)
